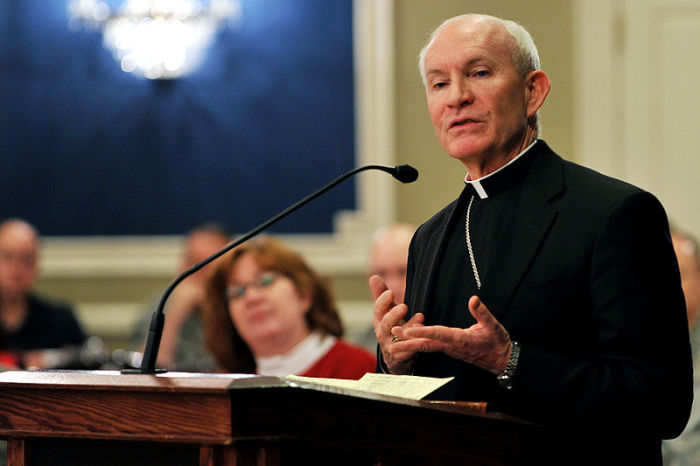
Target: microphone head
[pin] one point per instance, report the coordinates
(405, 173)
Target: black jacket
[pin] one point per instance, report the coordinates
(588, 283)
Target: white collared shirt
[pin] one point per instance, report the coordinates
(476, 184)
(297, 360)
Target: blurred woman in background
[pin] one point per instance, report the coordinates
(269, 313)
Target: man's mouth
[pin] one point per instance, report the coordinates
(462, 122)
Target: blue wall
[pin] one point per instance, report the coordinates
(86, 149)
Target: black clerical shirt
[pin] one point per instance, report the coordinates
(490, 220)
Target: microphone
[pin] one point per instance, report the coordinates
(403, 173)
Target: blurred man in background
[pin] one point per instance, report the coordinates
(388, 259)
(389, 255)
(181, 346)
(29, 324)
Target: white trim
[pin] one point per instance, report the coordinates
(343, 251)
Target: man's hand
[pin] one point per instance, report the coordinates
(386, 319)
(185, 299)
(485, 344)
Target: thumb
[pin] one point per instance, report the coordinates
(377, 285)
(479, 310)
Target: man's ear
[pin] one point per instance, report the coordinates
(537, 83)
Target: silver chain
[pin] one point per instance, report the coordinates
(469, 245)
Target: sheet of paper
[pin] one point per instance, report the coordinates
(404, 386)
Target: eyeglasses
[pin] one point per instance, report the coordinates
(265, 280)
(23, 259)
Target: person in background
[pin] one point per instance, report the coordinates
(268, 312)
(387, 259)
(685, 450)
(29, 324)
(181, 346)
(389, 255)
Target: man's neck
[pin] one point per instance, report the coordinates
(490, 163)
(13, 311)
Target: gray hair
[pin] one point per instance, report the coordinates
(524, 54)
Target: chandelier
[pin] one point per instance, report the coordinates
(156, 39)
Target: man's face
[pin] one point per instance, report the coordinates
(18, 259)
(477, 100)
(388, 260)
(199, 246)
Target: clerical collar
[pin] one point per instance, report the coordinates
(497, 181)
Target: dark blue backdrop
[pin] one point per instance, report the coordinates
(86, 149)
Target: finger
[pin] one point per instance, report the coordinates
(377, 285)
(382, 305)
(416, 320)
(406, 349)
(480, 312)
(432, 332)
(394, 317)
(383, 325)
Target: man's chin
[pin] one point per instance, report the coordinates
(464, 156)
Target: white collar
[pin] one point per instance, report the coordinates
(297, 360)
(476, 184)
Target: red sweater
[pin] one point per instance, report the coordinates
(343, 361)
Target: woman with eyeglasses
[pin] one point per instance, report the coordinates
(269, 313)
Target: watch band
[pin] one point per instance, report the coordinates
(505, 378)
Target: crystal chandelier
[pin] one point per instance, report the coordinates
(157, 39)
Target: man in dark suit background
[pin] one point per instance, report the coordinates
(546, 289)
(33, 329)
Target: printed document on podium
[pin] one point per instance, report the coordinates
(403, 386)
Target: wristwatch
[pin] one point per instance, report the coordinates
(505, 378)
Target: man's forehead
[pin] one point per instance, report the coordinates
(17, 235)
(484, 36)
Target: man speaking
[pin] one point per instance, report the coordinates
(547, 289)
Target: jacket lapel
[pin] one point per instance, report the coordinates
(435, 247)
(533, 218)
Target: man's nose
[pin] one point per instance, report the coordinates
(460, 93)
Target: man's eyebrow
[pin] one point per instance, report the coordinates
(467, 64)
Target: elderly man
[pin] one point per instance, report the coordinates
(389, 254)
(546, 289)
(29, 323)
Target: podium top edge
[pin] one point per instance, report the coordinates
(169, 381)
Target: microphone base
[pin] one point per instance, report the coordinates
(142, 371)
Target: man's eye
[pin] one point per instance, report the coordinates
(481, 73)
(439, 85)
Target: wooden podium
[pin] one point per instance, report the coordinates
(106, 418)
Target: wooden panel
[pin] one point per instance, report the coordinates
(354, 428)
(252, 421)
(124, 407)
